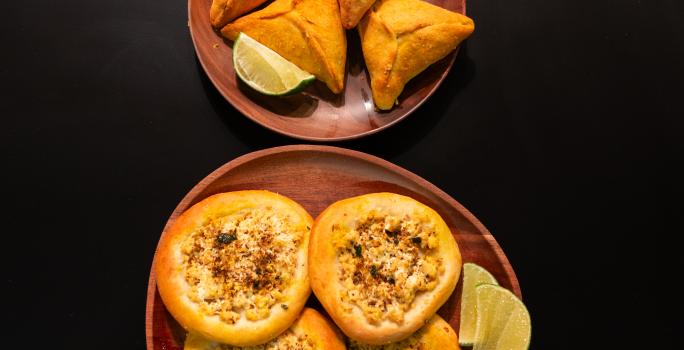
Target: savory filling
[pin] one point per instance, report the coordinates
(385, 262)
(285, 341)
(241, 264)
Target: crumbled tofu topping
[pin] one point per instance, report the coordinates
(385, 262)
(411, 343)
(241, 264)
(286, 341)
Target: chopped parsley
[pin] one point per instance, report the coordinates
(226, 238)
(357, 250)
(373, 271)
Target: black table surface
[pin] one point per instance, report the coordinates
(559, 128)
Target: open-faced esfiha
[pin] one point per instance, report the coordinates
(384, 264)
(437, 334)
(233, 267)
(311, 331)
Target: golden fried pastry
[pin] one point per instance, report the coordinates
(224, 11)
(233, 267)
(384, 264)
(307, 33)
(400, 38)
(351, 11)
(311, 331)
(437, 334)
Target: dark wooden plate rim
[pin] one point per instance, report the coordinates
(235, 163)
(246, 113)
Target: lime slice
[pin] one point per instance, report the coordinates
(473, 275)
(265, 70)
(503, 322)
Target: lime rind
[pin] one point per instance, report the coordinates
(509, 332)
(485, 275)
(473, 275)
(503, 320)
(265, 70)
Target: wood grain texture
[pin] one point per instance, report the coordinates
(316, 114)
(317, 176)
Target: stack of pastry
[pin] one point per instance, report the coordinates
(234, 271)
(399, 38)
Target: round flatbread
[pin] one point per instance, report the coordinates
(233, 267)
(384, 264)
(437, 334)
(311, 331)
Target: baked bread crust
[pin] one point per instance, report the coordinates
(310, 329)
(262, 315)
(437, 334)
(402, 38)
(224, 11)
(347, 220)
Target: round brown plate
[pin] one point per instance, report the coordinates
(317, 176)
(316, 114)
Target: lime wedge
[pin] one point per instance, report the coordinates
(473, 275)
(503, 322)
(265, 70)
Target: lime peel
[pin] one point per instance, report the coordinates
(265, 70)
(473, 275)
(503, 322)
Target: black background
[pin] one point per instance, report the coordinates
(559, 128)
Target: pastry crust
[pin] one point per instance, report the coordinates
(224, 11)
(351, 11)
(233, 267)
(437, 334)
(311, 331)
(384, 264)
(307, 33)
(401, 38)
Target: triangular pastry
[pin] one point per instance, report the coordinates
(224, 11)
(351, 11)
(400, 38)
(308, 33)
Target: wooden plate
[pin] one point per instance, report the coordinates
(317, 114)
(316, 176)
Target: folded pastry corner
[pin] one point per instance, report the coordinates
(224, 11)
(307, 33)
(351, 11)
(401, 38)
